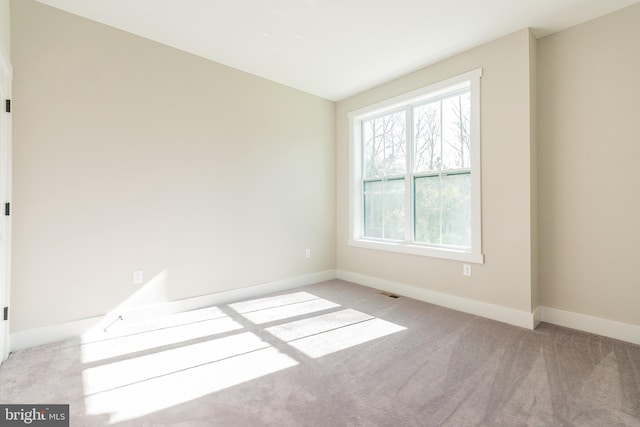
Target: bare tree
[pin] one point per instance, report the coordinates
(461, 128)
(428, 135)
(385, 145)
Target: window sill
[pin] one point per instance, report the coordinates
(451, 254)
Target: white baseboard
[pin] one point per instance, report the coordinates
(491, 311)
(49, 334)
(595, 325)
(537, 317)
(622, 331)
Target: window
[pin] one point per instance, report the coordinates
(415, 172)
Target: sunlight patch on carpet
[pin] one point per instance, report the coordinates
(165, 391)
(119, 346)
(281, 307)
(130, 371)
(126, 389)
(322, 335)
(272, 302)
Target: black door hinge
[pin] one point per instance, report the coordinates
(7, 105)
(7, 209)
(6, 313)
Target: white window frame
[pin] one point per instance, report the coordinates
(356, 208)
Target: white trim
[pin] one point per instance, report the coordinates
(608, 328)
(49, 334)
(411, 249)
(595, 325)
(470, 79)
(418, 95)
(582, 322)
(490, 311)
(6, 74)
(537, 316)
(476, 167)
(54, 333)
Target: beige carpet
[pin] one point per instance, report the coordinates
(331, 354)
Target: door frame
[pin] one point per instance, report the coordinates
(6, 75)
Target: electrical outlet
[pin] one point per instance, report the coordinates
(138, 277)
(466, 269)
(307, 253)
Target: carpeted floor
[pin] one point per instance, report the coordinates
(331, 354)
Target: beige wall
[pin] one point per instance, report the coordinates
(132, 155)
(589, 174)
(506, 121)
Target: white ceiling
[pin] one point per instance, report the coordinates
(333, 48)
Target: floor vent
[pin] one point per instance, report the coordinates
(387, 294)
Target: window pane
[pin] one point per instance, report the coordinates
(394, 209)
(427, 212)
(385, 145)
(456, 132)
(443, 210)
(384, 209)
(427, 133)
(373, 151)
(373, 209)
(456, 210)
(395, 144)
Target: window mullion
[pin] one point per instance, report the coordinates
(382, 194)
(441, 207)
(441, 168)
(362, 177)
(384, 174)
(408, 193)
